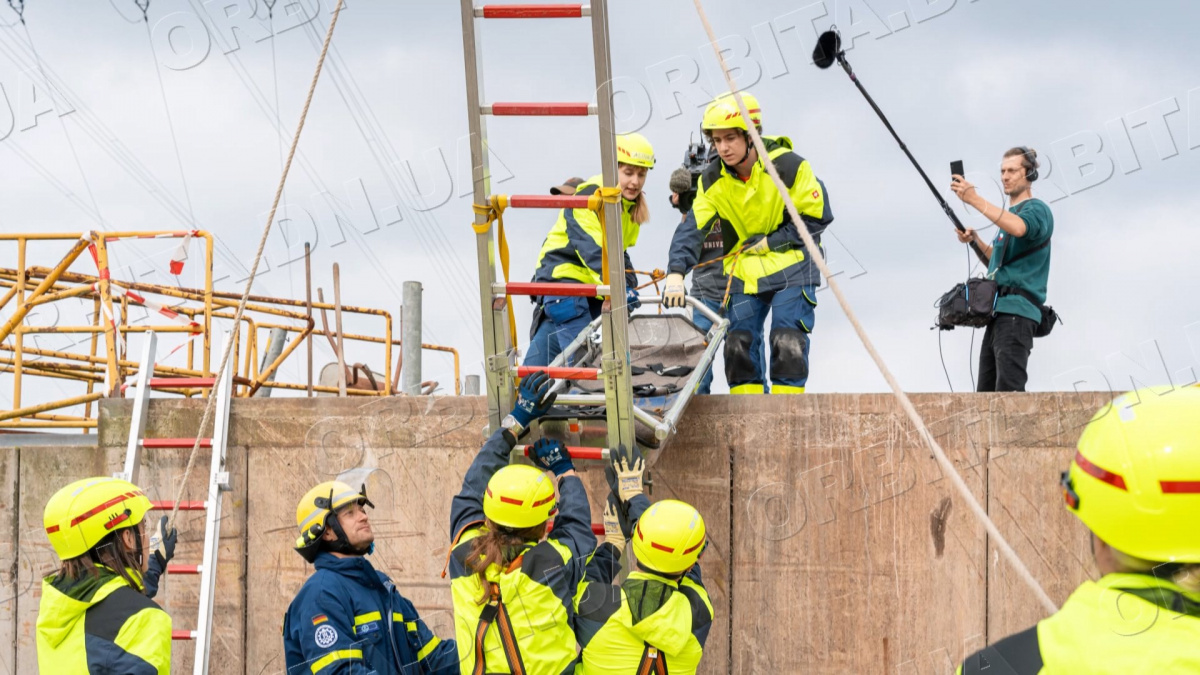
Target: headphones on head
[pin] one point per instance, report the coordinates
(1029, 161)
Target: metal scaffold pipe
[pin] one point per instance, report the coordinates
(410, 377)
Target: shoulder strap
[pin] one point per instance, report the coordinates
(495, 612)
(653, 662)
(1027, 252)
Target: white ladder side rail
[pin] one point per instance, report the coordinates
(218, 482)
(141, 405)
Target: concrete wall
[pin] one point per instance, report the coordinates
(837, 546)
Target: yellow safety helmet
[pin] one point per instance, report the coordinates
(312, 513)
(723, 113)
(635, 149)
(669, 537)
(1135, 480)
(78, 516)
(519, 496)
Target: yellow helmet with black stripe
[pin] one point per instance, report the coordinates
(312, 513)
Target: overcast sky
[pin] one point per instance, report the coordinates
(1107, 92)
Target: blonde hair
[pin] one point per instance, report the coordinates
(1187, 576)
(641, 209)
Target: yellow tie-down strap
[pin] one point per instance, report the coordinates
(493, 212)
(596, 202)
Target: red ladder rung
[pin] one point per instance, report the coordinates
(538, 109)
(186, 634)
(576, 452)
(168, 443)
(183, 382)
(548, 202)
(560, 372)
(532, 11)
(183, 506)
(183, 569)
(552, 288)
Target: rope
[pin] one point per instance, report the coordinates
(940, 455)
(493, 212)
(262, 244)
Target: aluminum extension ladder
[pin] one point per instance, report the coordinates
(501, 353)
(220, 386)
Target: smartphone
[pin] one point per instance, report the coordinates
(956, 168)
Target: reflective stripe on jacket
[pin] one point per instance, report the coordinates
(101, 626)
(349, 618)
(616, 624)
(572, 251)
(755, 207)
(1123, 623)
(537, 595)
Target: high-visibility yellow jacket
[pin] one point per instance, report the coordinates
(620, 627)
(101, 626)
(1123, 623)
(754, 207)
(537, 594)
(572, 250)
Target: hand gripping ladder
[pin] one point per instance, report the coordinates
(218, 479)
(495, 298)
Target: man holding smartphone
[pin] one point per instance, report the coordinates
(1019, 262)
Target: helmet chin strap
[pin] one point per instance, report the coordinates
(342, 544)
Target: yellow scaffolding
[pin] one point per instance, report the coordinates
(172, 309)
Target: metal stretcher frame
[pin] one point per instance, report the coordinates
(664, 427)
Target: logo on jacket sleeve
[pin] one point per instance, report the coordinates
(319, 619)
(326, 636)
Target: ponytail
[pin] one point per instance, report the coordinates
(499, 545)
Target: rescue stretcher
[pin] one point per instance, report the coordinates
(668, 356)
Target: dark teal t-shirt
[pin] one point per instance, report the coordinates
(1030, 273)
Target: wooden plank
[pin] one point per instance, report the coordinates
(9, 506)
(852, 554)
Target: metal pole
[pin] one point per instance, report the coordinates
(410, 339)
(308, 306)
(500, 356)
(337, 319)
(275, 346)
(618, 390)
(472, 387)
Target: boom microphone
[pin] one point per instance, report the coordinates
(828, 50)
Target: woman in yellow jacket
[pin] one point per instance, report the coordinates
(657, 621)
(94, 617)
(1135, 483)
(572, 253)
(511, 584)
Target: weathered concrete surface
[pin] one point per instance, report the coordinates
(837, 546)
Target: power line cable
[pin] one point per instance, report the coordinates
(382, 150)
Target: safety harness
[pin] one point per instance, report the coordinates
(495, 612)
(653, 662)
